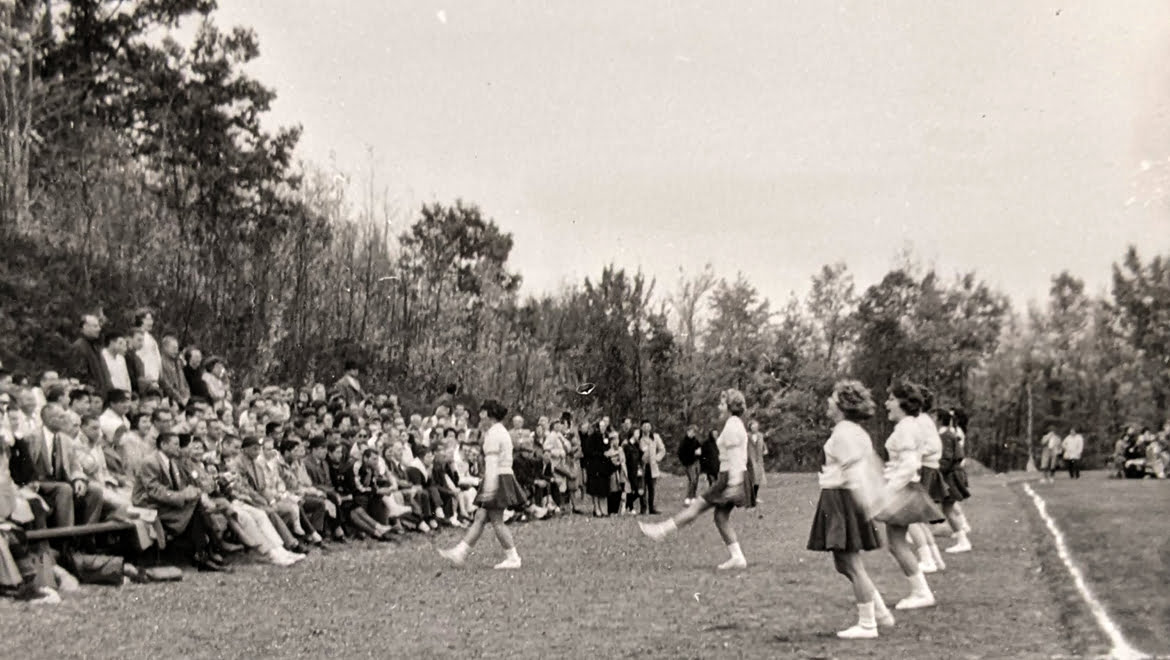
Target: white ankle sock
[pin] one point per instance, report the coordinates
(918, 585)
(865, 617)
(924, 555)
(512, 554)
(879, 605)
(735, 551)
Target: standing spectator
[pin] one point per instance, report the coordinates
(193, 372)
(114, 355)
(689, 451)
(709, 458)
(48, 381)
(85, 355)
(172, 379)
(134, 363)
(757, 450)
(348, 386)
(214, 382)
(653, 451)
(1072, 448)
(1049, 454)
(148, 350)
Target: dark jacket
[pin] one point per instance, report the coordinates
(709, 461)
(686, 450)
(86, 363)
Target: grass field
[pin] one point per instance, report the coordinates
(597, 589)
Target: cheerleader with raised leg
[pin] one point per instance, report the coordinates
(732, 488)
(499, 490)
(951, 467)
(850, 480)
(930, 447)
(905, 501)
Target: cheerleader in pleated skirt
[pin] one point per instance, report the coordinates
(905, 500)
(951, 467)
(498, 491)
(732, 488)
(849, 480)
(930, 449)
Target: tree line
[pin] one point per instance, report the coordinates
(135, 171)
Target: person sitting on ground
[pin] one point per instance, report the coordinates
(236, 457)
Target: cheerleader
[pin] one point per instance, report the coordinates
(732, 488)
(849, 480)
(930, 448)
(906, 502)
(499, 490)
(951, 467)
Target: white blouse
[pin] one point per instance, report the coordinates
(733, 455)
(930, 444)
(904, 455)
(848, 444)
(497, 453)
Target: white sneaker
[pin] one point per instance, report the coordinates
(453, 556)
(283, 561)
(938, 561)
(964, 546)
(734, 562)
(927, 567)
(508, 564)
(885, 618)
(48, 596)
(653, 531)
(508, 515)
(858, 632)
(915, 602)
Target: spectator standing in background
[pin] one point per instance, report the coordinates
(1049, 454)
(688, 454)
(85, 356)
(193, 372)
(148, 352)
(1072, 448)
(172, 379)
(114, 356)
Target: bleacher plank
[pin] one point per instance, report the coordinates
(77, 530)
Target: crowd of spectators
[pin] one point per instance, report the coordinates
(136, 431)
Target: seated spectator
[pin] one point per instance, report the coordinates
(160, 485)
(215, 505)
(91, 458)
(115, 414)
(46, 458)
(320, 512)
(235, 461)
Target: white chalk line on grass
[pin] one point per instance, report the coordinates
(1122, 649)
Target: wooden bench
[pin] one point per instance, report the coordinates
(77, 530)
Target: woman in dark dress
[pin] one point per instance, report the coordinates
(597, 466)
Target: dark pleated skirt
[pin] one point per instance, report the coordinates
(721, 494)
(508, 495)
(957, 489)
(840, 524)
(931, 480)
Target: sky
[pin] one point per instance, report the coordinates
(765, 138)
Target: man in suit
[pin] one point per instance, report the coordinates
(45, 462)
(160, 485)
(653, 451)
